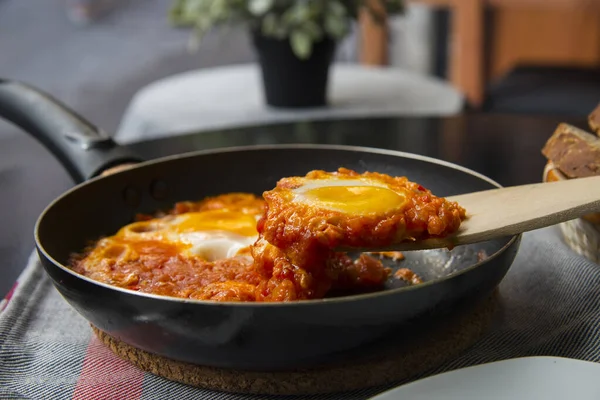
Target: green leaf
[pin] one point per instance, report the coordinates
(259, 7)
(218, 7)
(313, 29)
(301, 44)
(281, 32)
(203, 23)
(184, 12)
(269, 25)
(298, 13)
(336, 8)
(336, 27)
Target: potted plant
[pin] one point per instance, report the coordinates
(295, 39)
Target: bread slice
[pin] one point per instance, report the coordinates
(594, 120)
(575, 152)
(552, 174)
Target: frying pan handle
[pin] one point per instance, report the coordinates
(82, 148)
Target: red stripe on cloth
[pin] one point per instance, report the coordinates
(104, 376)
(8, 296)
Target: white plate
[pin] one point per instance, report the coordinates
(545, 378)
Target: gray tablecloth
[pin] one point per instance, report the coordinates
(550, 306)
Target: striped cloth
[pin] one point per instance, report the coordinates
(550, 306)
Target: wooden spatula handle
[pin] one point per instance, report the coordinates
(513, 210)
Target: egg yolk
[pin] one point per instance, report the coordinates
(236, 222)
(219, 220)
(356, 200)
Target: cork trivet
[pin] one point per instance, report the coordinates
(398, 362)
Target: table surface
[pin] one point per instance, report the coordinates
(504, 147)
(233, 96)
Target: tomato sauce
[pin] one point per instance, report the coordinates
(293, 258)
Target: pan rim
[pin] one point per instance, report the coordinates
(295, 303)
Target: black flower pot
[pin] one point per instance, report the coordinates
(290, 82)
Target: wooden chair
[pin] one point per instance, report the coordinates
(488, 37)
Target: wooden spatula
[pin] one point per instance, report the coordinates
(509, 211)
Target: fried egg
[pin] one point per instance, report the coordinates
(360, 196)
(211, 235)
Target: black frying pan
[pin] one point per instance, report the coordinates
(237, 335)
